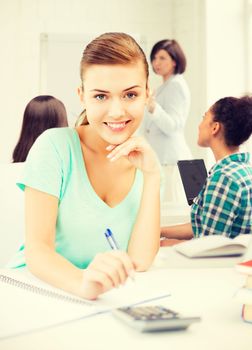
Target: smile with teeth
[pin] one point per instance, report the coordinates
(117, 126)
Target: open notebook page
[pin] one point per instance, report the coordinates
(25, 309)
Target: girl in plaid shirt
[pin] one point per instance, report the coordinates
(224, 205)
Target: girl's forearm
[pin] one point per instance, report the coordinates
(54, 269)
(144, 242)
(183, 231)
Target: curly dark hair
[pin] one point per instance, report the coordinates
(235, 114)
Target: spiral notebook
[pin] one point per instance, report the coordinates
(28, 304)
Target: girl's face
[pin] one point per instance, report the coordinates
(163, 64)
(114, 97)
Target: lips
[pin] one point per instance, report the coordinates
(117, 126)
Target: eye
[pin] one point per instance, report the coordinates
(100, 97)
(130, 95)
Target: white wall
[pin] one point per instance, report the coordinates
(22, 21)
(212, 33)
(226, 49)
(226, 52)
(188, 27)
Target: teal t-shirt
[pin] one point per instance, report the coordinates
(55, 165)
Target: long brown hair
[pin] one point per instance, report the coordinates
(41, 113)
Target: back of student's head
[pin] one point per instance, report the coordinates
(235, 114)
(41, 113)
(174, 50)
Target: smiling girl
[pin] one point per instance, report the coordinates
(79, 182)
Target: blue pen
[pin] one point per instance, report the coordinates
(111, 239)
(114, 245)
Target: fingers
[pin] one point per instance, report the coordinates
(94, 283)
(110, 147)
(139, 153)
(132, 144)
(106, 271)
(114, 265)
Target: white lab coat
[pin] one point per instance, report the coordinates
(164, 128)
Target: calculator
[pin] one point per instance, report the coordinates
(153, 318)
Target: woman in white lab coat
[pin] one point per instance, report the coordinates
(166, 114)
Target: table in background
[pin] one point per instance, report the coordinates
(168, 257)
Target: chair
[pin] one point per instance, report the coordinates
(11, 210)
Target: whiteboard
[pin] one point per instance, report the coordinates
(60, 56)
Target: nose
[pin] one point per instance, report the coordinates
(116, 108)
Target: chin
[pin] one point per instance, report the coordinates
(120, 137)
(200, 143)
(117, 139)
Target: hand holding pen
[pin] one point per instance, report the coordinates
(106, 271)
(114, 246)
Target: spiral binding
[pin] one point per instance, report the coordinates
(42, 291)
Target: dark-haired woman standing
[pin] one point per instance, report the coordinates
(167, 112)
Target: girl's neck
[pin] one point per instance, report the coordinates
(91, 142)
(222, 152)
(167, 76)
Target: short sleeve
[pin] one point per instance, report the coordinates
(43, 167)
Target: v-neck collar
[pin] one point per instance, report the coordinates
(98, 201)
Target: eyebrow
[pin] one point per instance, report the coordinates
(105, 91)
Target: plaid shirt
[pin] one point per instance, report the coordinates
(224, 205)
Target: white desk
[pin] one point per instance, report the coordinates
(167, 257)
(204, 292)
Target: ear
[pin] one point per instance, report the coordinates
(80, 94)
(174, 64)
(216, 128)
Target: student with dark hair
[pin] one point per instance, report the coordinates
(80, 181)
(224, 205)
(41, 113)
(167, 112)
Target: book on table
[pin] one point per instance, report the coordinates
(214, 245)
(244, 294)
(247, 313)
(244, 267)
